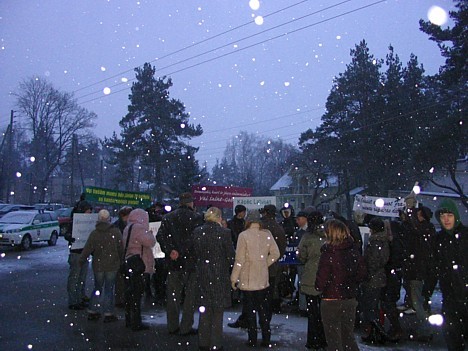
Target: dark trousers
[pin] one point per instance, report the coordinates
(257, 301)
(159, 279)
(338, 323)
(134, 287)
(315, 333)
(178, 284)
(120, 289)
(210, 328)
(389, 298)
(455, 324)
(370, 306)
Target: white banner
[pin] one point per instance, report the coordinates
(83, 225)
(378, 206)
(157, 252)
(253, 202)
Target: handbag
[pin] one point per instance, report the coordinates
(134, 265)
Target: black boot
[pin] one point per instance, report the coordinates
(376, 334)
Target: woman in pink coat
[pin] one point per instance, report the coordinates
(141, 242)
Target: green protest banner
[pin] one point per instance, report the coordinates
(116, 197)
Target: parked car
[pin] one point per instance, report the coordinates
(64, 219)
(14, 207)
(23, 228)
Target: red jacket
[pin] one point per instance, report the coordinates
(341, 269)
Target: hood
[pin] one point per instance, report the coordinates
(445, 206)
(379, 236)
(103, 226)
(345, 245)
(138, 216)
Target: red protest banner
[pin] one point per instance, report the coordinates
(218, 196)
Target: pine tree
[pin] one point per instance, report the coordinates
(156, 129)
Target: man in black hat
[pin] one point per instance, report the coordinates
(176, 239)
(237, 223)
(274, 271)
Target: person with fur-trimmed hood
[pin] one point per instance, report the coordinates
(138, 240)
(451, 261)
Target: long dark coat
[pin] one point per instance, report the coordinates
(215, 256)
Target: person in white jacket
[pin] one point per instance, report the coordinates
(256, 251)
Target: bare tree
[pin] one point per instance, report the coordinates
(52, 118)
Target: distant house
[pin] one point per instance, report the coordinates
(431, 195)
(301, 190)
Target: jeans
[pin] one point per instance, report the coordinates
(417, 301)
(76, 279)
(103, 294)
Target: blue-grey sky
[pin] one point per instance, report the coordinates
(229, 74)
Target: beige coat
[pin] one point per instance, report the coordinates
(256, 251)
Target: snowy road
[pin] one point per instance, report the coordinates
(34, 315)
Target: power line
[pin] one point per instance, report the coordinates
(355, 130)
(238, 50)
(199, 43)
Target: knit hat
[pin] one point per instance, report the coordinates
(269, 209)
(185, 198)
(376, 225)
(253, 216)
(302, 214)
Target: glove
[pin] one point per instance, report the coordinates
(234, 285)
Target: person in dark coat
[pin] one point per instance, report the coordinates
(215, 257)
(269, 222)
(176, 239)
(76, 285)
(105, 245)
(451, 262)
(340, 270)
(376, 256)
(121, 223)
(417, 267)
(288, 222)
(394, 273)
(237, 223)
(309, 254)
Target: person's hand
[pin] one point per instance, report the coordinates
(71, 240)
(174, 255)
(234, 285)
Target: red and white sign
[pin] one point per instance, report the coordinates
(217, 196)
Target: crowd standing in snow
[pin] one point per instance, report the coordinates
(346, 284)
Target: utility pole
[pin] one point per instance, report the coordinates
(9, 163)
(72, 197)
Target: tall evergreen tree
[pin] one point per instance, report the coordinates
(447, 140)
(156, 129)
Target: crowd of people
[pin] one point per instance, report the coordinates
(343, 282)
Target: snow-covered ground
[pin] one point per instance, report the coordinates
(50, 264)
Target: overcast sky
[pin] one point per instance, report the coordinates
(235, 67)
